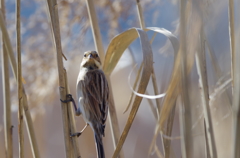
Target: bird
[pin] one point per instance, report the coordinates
(92, 98)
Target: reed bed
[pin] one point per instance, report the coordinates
(168, 100)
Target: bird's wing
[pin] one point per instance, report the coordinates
(96, 95)
(79, 95)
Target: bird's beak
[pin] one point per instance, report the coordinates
(90, 56)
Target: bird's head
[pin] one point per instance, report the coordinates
(91, 60)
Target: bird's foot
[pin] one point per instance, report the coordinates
(76, 134)
(69, 99)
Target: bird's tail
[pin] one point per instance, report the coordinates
(99, 146)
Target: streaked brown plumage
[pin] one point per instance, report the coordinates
(93, 96)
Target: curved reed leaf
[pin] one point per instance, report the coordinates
(173, 39)
(116, 48)
(114, 52)
(143, 95)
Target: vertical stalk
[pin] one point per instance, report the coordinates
(236, 88)
(202, 73)
(113, 119)
(72, 124)
(6, 97)
(232, 36)
(186, 109)
(13, 63)
(19, 78)
(53, 11)
(182, 131)
(217, 69)
(99, 46)
(153, 76)
(142, 24)
(206, 142)
(95, 29)
(140, 15)
(167, 142)
(152, 107)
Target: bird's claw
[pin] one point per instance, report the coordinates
(76, 134)
(67, 100)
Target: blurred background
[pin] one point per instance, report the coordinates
(39, 68)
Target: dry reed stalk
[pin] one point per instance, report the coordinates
(142, 26)
(232, 36)
(99, 46)
(169, 126)
(147, 67)
(134, 87)
(173, 88)
(7, 104)
(156, 92)
(154, 80)
(114, 52)
(236, 88)
(6, 97)
(140, 15)
(217, 69)
(182, 132)
(19, 78)
(114, 126)
(158, 153)
(95, 29)
(202, 73)
(30, 128)
(53, 12)
(8, 45)
(72, 124)
(28, 119)
(186, 111)
(226, 96)
(168, 151)
(206, 142)
(153, 109)
(153, 76)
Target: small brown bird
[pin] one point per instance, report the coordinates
(93, 97)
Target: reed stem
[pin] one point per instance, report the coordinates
(6, 96)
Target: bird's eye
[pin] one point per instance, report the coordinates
(85, 55)
(96, 55)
